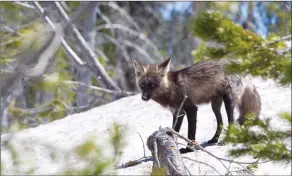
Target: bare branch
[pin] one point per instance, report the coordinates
(68, 49)
(200, 162)
(41, 59)
(106, 19)
(44, 57)
(24, 4)
(245, 169)
(123, 13)
(98, 68)
(132, 32)
(64, 5)
(199, 168)
(155, 14)
(218, 158)
(115, 92)
(15, 31)
(101, 53)
(178, 111)
(139, 49)
(118, 44)
(284, 51)
(155, 154)
(143, 145)
(288, 37)
(201, 148)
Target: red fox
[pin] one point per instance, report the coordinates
(203, 82)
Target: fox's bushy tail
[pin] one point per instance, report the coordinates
(250, 103)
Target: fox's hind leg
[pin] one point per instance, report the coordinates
(216, 106)
(229, 103)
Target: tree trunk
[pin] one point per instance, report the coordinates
(84, 75)
(167, 155)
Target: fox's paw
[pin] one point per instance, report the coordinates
(221, 143)
(212, 141)
(185, 150)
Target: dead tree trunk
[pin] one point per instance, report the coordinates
(165, 153)
(84, 75)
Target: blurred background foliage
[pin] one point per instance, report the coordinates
(250, 32)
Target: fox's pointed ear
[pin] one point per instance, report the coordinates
(164, 67)
(139, 68)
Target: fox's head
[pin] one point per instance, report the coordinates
(151, 78)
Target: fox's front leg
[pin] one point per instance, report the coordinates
(192, 125)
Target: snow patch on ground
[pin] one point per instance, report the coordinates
(144, 118)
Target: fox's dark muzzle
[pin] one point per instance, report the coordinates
(146, 96)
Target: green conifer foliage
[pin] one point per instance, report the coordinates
(258, 56)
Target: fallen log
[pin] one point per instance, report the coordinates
(165, 153)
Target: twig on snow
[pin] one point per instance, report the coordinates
(200, 162)
(143, 144)
(178, 111)
(199, 167)
(208, 153)
(201, 148)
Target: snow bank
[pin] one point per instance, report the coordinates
(144, 118)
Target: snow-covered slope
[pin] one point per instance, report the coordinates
(144, 118)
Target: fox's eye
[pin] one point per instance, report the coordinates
(152, 85)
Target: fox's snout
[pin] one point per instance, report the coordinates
(146, 96)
